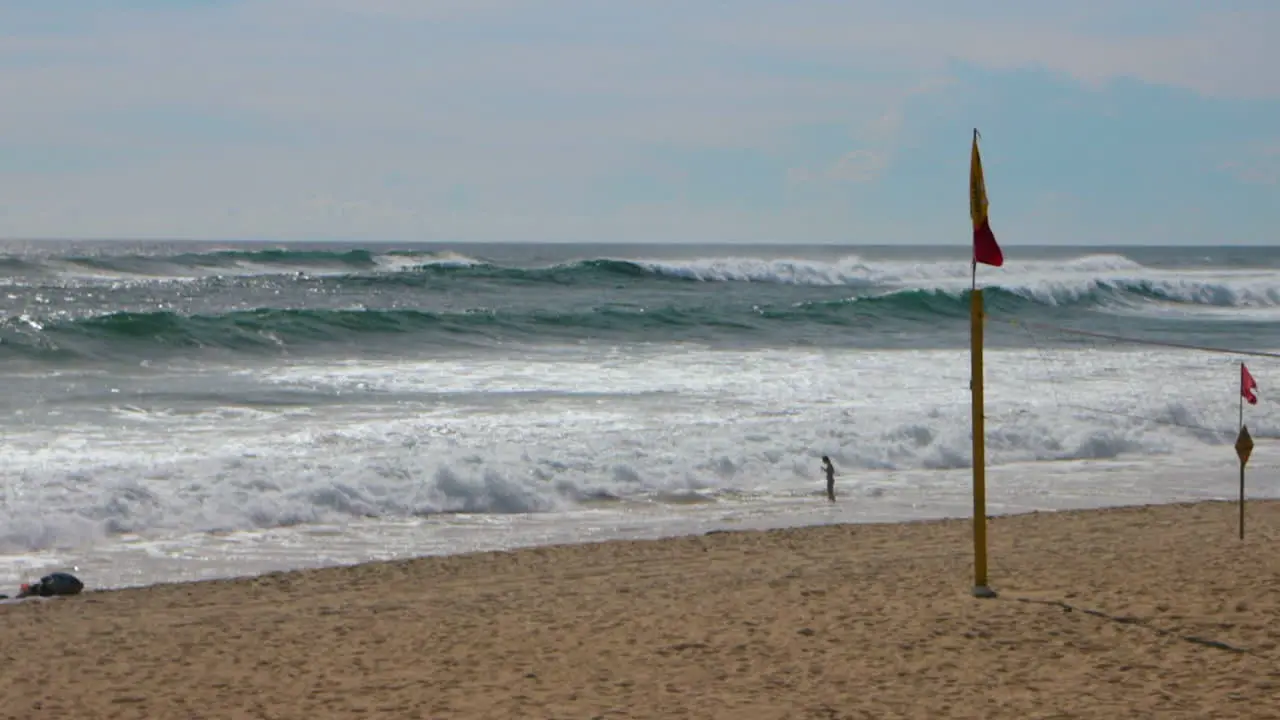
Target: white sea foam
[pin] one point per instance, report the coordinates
(409, 262)
(1051, 282)
(552, 433)
(177, 472)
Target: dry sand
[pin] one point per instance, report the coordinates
(1173, 617)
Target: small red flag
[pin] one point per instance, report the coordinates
(1248, 386)
(985, 248)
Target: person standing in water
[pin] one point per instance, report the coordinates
(830, 470)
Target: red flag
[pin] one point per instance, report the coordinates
(1248, 386)
(985, 248)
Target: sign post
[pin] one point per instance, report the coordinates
(1244, 448)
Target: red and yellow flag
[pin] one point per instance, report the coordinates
(985, 248)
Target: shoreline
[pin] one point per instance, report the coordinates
(1111, 612)
(643, 537)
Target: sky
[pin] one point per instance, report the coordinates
(804, 121)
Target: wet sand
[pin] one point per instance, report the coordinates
(1154, 611)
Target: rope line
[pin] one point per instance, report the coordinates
(1157, 421)
(1044, 360)
(1043, 357)
(1138, 341)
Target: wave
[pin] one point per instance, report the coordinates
(443, 299)
(382, 471)
(145, 268)
(141, 334)
(1107, 276)
(123, 335)
(1091, 277)
(851, 270)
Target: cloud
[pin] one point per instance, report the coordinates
(371, 118)
(1221, 50)
(876, 141)
(236, 113)
(1258, 164)
(858, 166)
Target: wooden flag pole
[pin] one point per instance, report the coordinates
(988, 252)
(980, 587)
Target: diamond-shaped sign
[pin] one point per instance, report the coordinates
(1244, 445)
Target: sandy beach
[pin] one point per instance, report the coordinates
(1152, 611)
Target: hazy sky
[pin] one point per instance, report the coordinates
(1144, 121)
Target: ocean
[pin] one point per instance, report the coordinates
(179, 411)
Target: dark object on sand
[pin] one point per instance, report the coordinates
(51, 585)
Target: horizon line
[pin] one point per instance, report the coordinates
(731, 243)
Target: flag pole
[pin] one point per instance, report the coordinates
(978, 212)
(1242, 458)
(980, 587)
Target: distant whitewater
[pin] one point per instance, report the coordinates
(103, 303)
(189, 410)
